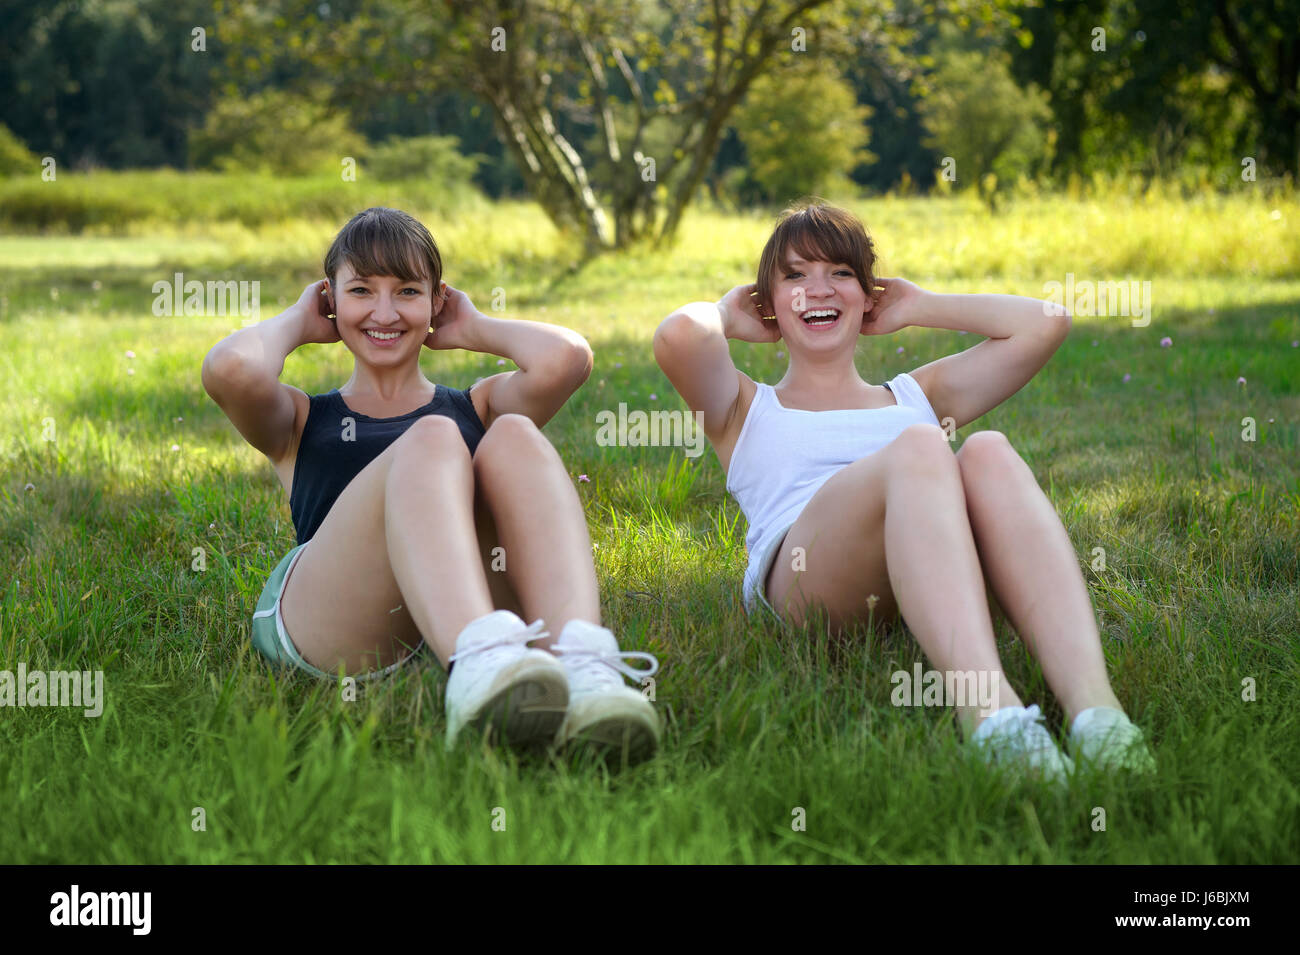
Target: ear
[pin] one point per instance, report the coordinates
(439, 299)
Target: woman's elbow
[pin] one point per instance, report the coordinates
(572, 365)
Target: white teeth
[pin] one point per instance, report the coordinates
(383, 336)
(819, 313)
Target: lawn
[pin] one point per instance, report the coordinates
(120, 475)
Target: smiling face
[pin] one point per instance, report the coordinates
(382, 318)
(814, 277)
(819, 303)
(386, 280)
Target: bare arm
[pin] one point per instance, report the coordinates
(553, 361)
(1022, 334)
(241, 373)
(691, 347)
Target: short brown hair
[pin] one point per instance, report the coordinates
(819, 232)
(381, 241)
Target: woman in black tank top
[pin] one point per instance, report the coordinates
(427, 515)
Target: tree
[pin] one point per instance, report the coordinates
(581, 92)
(979, 117)
(1199, 76)
(803, 132)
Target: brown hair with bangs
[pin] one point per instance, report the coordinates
(819, 232)
(381, 241)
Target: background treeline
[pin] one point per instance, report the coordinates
(762, 102)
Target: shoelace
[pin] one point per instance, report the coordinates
(534, 631)
(583, 659)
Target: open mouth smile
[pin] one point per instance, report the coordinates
(381, 338)
(820, 317)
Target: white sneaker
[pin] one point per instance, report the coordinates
(501, 685)
(603, 710)
(1105, 738)
(1014, 736)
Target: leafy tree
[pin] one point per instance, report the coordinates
(803, 132)
(978, 116)
(1177, 79)
(110, 82)
(275, 132)
(561, 76)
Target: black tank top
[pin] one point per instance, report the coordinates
(337, 443)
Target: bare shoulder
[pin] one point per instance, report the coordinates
(724, 442)
(301, 408)
(925, 378)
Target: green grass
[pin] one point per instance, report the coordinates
(1201, 588)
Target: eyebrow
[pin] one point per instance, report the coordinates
(796, 260)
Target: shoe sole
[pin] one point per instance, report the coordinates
(611, 739)
(525, 714)
(622, 728)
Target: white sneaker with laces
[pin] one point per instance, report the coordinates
(1014, 736)
(499, 684)
(1105, 738)
(603, 710)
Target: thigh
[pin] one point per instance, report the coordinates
(342, 602)
(834, 554)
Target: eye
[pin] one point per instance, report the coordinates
(793, 275)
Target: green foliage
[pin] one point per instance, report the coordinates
(434, 159)
(15, 158)
(803, 133)
(276, 132)
(115, 202)
(978, 116)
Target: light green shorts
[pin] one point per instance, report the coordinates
(270, 637)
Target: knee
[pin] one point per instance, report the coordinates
(922, 448)
(984, 452)
(509, 436)
(433, 435)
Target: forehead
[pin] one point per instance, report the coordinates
(347, 275)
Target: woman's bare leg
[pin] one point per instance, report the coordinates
(1033, 571)
(395, 560)
(541, 524)
(907, 502)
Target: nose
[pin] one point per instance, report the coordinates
(818, 285)
(385, 312)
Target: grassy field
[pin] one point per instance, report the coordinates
(115, 468)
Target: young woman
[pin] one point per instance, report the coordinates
(426, 515)
(855, 502)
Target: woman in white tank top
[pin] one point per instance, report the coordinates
(857, 506)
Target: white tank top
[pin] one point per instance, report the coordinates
(784, 455)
